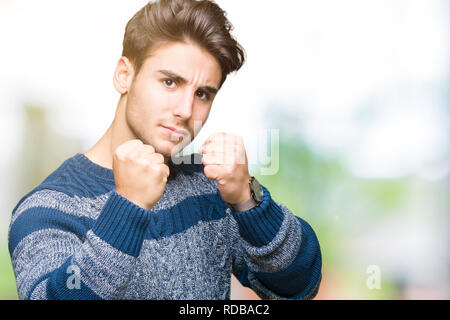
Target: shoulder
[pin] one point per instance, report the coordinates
(49, 180)
(65, 184)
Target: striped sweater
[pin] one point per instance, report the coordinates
(74, 237)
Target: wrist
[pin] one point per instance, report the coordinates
(245, 202)
(250, 197)
(135, 200)
(243, 206)
(244, 196)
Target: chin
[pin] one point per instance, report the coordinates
(167, 148)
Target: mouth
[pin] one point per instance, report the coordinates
(179, 133)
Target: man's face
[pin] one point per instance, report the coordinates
(174, 89)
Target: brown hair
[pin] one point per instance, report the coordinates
(200, 21)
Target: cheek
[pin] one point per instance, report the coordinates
(199, 118)
(148, 103)
(203, 113)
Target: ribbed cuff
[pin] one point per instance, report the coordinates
(122, 224)
(259, 225)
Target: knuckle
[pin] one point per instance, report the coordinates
(166, 170)
(127, 149)
(146, 165)
(161, 170)
(207, 171)
(133, 143)
(218, 136)
(120, 154)
(159, 157)
(149, 148)
(157, 167)
(143, 163)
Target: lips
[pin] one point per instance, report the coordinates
(179, 132)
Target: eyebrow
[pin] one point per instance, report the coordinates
(182, 80)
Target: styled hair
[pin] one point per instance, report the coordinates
(199, 21)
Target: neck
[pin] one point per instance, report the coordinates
(118, 133)
(101, 153)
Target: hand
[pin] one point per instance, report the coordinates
(225, 161)
(140, 173)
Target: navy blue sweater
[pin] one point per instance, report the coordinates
(74, 237)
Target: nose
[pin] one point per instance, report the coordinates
(184, 107)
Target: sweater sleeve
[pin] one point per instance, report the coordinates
(277, 254)
(55, 255)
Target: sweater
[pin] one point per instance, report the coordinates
(74, 237)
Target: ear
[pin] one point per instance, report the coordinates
(123, 76)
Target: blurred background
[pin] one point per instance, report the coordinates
(358, 93)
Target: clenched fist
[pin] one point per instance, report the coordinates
(225, 160)
(139, 173)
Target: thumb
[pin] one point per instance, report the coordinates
(211, 171)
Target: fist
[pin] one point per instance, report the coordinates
(225, 161)
(139, 173)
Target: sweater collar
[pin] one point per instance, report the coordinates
(92, 168)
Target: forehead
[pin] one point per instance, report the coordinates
(185, 59)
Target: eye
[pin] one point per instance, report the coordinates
(202, 95)
(169, 83)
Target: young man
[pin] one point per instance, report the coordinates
(127, 220)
